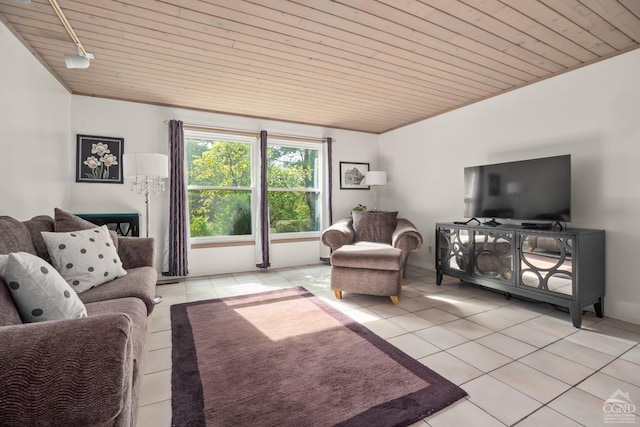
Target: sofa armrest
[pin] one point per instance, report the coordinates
(339, 234)
(136, 251)
(67, 372)
(406, 237)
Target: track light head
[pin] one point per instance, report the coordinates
(77, 61)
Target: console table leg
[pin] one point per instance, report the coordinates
(438, 279)
(576, 315)
(598, 307)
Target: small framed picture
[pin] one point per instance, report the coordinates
(352, 175)
(99, 159)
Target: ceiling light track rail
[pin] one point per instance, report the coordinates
(82, 60)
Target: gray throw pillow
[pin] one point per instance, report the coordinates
(66, 221)
(38, 290)
(85, 258)
(374, 226)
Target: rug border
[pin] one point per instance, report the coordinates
(193, 404)
(184, 370)
(418, 369)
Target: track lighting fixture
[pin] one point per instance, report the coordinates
(82, 59)
(79, 60)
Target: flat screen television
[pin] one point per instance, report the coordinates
(527, 190)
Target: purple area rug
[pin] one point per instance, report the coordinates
(287, 358)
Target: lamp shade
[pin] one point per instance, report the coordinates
(149, 165)
(376, 178)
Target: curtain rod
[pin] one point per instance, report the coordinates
(247, 132)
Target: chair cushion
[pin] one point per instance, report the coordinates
(371, 256)
(374, 226)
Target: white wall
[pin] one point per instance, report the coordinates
(37, 159)
(590, 113)
(143, 129)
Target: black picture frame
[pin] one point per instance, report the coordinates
(352, 175)
(99, 159)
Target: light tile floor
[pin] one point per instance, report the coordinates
(521, 362)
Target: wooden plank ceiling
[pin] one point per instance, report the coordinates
(368, 65)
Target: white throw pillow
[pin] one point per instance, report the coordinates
(85, 258)
(38, 290)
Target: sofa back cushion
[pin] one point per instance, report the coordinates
(36, 226)
(66, 221)
(15, 237)
(374, 226)
(8, 312)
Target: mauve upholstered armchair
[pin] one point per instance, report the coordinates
(375, 227)
(370, 252)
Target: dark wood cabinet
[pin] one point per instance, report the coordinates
(565, 268)
(125, 224)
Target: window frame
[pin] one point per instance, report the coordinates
(292, 143)
(253, 139)
(240, 137)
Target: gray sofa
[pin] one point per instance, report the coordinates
(83, 371)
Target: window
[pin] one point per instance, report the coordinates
(219, 183)
(294, 182)
(222, 174)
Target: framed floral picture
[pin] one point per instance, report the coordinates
(352, 175)
(99, 159)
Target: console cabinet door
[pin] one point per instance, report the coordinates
(493, 255)
(453, 249)
(546, 263)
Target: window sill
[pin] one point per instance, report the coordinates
(209, 245)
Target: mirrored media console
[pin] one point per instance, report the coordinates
(564, 268)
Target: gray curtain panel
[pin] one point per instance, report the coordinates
(330, 182)
(264, 202)
(178, 237)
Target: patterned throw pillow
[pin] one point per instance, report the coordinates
(85, 258)
(38, 290)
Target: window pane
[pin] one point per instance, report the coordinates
(219, 212)
(214, 160)
(292, 167)
(294, 211)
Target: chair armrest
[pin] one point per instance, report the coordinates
(406, 236)
(339, 234)
(67, 372)
(136, 251)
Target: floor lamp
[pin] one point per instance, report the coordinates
(148, 171)
(376, 179)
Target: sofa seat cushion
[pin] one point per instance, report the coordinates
(370, 256)
(15, 237)
(139, 282)
(374, 226)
